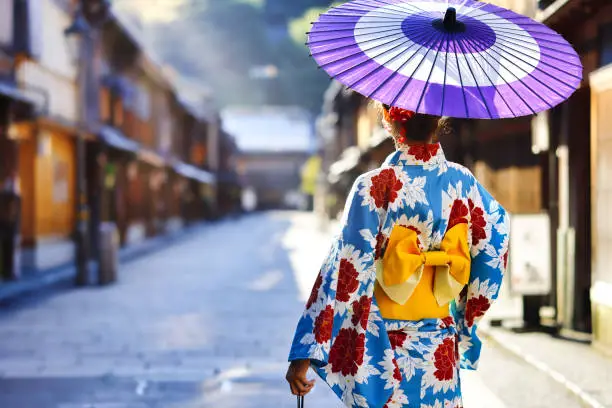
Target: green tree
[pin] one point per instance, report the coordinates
(219, 41)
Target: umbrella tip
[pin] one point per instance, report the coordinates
(450, 18)
(449, 23)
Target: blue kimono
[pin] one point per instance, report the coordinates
(371, 361)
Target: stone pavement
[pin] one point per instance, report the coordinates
(580, 369)
(204, 323)
(35, 280)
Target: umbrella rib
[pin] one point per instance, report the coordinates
(445, 75)
(386, 80)
(401, 9)
(362, 51)
(521, 80)
(381, 66)
(535, 67)
(387, 20)
(475, 80)
(513, 15)
(510, 30)
(548, 55)
(491, 81)
(539, 34)
(391, 16)
(335, 30)
(391, 21)
(520, 33)
(344, 37)
(507, 38)
(402, 33)
(433, 66)
(507, 34)
(494, 17)
(315, 54)
(417, 67)
(465, 105)
(475, 9)
(402, 6)
(509, 85)
(369, 59)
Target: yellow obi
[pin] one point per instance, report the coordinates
(414, 285)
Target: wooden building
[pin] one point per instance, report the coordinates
(152, 157)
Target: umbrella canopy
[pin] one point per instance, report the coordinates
(465, 59)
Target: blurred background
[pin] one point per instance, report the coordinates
(171, 174)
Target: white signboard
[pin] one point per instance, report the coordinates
(529, 263)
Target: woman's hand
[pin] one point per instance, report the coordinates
(296, 377)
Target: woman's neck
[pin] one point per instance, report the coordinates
(419, 142)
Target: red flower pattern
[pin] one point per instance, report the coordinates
(315, 291)
(384, 188)
(397, 338)
(361, 311)
(347, 281)
(475, 308)
(478, 223)
(445, 360)
(324, 324)
(397, 374)
(458, 215)
(400, 115)
(448, 321)
(506, 259)
(346, 354)
(381, 242)
(423, 152)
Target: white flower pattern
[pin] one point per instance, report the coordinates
(356, 356)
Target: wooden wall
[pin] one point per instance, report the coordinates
(47, 171)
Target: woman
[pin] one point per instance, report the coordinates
(420, 258)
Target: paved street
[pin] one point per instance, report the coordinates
(204, 323)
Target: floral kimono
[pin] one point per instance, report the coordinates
(419, 229)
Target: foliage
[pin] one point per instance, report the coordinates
(219, 41)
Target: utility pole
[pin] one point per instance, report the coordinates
(80, 38)
(76, 36)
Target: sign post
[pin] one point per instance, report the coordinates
(529, 264)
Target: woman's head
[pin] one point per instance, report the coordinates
(408, 127)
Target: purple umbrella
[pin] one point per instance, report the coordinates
(464, 59)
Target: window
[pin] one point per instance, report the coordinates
(605, 50)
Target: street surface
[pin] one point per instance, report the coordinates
(204, 323)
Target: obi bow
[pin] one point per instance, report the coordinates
(402, 266)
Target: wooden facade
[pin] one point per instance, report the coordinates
(601, 195)
(149, 155)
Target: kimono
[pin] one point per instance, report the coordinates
(373, 362)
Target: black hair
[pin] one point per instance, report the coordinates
(421, 127)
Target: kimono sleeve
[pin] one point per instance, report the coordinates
(489, 228)
(326, 307)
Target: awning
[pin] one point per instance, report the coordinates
(117, 84)
(349, 160)
(194, 173)
(17, 94)
(115, 138)
(151, 157)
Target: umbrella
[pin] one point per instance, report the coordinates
(465, 59)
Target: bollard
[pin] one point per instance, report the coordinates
(109, 253)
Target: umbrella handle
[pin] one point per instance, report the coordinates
(300, 401)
